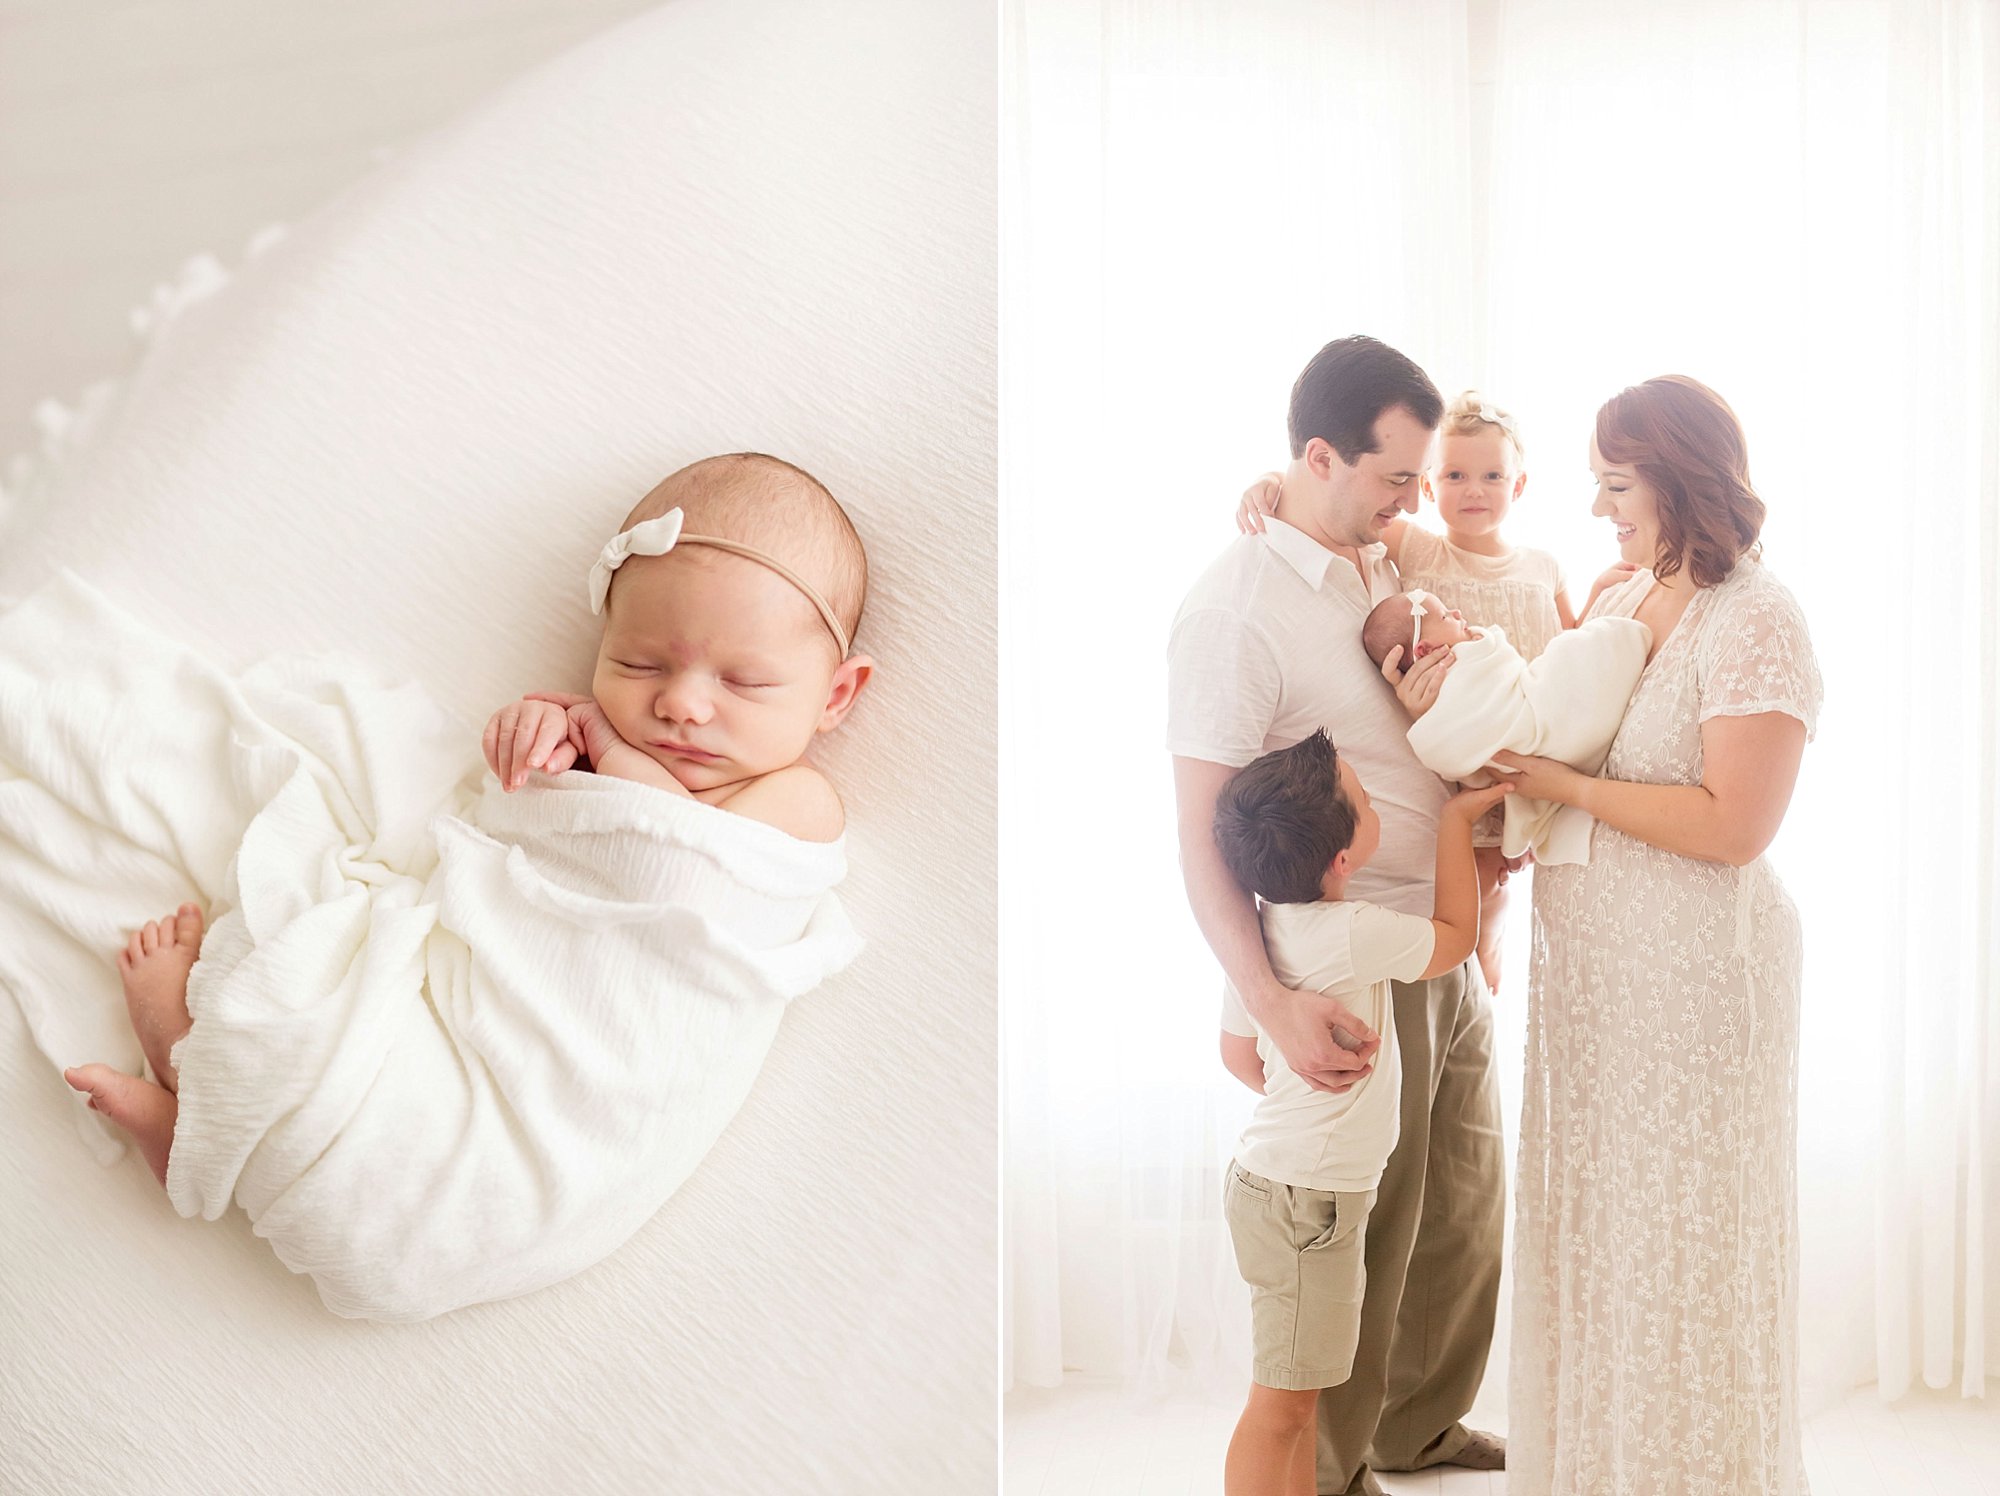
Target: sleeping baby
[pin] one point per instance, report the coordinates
(1566, 704)
(481, 1057)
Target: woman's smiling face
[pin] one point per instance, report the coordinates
(1624, 498)
(714, 666)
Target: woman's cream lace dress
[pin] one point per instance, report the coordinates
(1656, 1250)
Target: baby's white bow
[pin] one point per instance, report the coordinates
(653, 537)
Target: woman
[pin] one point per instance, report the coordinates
(1655, 1306)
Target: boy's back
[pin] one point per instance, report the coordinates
(1350, 949)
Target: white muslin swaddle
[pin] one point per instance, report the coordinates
(1566, 704)
(449, 1044)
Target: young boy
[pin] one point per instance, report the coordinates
(1293, 827)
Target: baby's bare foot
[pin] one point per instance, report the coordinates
(145, 1110)
(154, 967)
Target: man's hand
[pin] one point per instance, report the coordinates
(1308, 1028)
(531, 733)
(1417, 688)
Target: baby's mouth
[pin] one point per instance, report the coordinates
(683, 750)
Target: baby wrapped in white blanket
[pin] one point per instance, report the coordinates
(447, 1044)
(1567, 704)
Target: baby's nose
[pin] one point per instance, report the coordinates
(683, 700)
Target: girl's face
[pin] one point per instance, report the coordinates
(1475, 480)
(1625, 500)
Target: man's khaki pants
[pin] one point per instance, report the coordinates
(1433, 1250)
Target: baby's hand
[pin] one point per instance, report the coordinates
(589, 725)
(527, 734)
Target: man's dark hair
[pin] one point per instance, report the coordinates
(1282, 818)
(1342, 393)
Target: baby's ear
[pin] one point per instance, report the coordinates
(849, 677)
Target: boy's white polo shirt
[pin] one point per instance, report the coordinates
(1266, 648)
(1351, 951)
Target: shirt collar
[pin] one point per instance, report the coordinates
(1301, 552)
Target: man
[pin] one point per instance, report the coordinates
(1265, 650)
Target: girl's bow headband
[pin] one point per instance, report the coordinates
(655, 537)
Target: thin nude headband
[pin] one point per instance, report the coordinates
(655, 537)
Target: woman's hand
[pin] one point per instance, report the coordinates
(531, 733)
(1417, 688)
(1259, 499)
(1541, 778)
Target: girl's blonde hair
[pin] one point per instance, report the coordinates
(1471, 412)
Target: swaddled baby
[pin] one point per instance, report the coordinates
(1566, 704)
(560, 997)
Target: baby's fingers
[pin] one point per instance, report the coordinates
(552, 729)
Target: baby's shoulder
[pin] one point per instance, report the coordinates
(797, 799)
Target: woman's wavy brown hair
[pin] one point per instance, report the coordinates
(1685, 441)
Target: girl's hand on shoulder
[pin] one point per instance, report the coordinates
(1623, 572)
(1259, 499)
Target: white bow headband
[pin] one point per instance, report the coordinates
(655, 537)
(1416, 595)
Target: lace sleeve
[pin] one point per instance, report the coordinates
(1757, 657)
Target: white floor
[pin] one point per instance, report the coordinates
(1093, 1439)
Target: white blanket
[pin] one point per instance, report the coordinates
(449, 1045)
(1566, 705)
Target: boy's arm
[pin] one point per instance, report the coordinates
(1299, 1023)
(1240, 1059)
(1455, 911)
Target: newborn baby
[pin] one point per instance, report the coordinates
(502, 994)
(733, 590)
(1566, 705)
(1419, 622)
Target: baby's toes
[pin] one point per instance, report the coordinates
(133, 949)
(100, 1082)
(187, 927)
(149, 938)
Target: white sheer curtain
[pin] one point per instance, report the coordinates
(1549, 199)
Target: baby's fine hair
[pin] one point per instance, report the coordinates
(766, 502)
(1387, 625)
(1282, 818)
(1470, 413)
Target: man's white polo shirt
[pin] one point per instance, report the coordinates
(1266, 648)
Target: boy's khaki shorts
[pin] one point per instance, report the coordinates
(1300, 1252)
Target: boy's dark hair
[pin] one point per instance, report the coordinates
(1282, 818)
(1342, 393)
